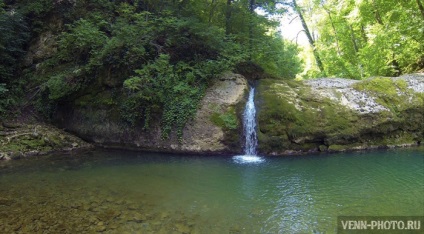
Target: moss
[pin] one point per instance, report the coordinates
(382, 85)
(227, 120)
(398, 139)
(292, 114)
(323, 148)
(14, 147)
(36, 139)
(338, 148)
(33, 143)
(105, 98)
(390, 93)
(272, 143)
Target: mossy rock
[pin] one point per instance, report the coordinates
(293, 116)
(229, 121)
(289, 111)
(391, 93)
(29, 139)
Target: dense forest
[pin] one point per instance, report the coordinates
(159, 56)
(359, 39)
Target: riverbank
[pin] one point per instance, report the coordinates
(19, 140)
(293, 118)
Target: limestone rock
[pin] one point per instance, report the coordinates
(201, 134)
(205, 133)
(338, 114)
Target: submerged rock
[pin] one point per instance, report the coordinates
(335, 114)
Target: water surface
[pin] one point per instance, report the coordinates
(132, 192)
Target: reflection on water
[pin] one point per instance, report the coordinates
(118, 192)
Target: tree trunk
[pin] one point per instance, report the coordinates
(212, 11)
(309, 36)
(420, 6)
(353, 38)
(364, 34)
(334, 28)
(251, 23)
(356, 48)
(397, 71)
(377, 13)
(228, 18)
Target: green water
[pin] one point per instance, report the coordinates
(129, 192)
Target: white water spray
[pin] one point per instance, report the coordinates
(249, 125)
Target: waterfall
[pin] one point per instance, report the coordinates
(249, 126)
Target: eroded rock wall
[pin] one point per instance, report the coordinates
(215, 128)
(334, 114)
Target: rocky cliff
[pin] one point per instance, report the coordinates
(334, 114)
(216, 128)
(294, 117)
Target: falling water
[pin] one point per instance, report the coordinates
(249, 125)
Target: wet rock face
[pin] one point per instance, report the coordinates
(337, 114)
(214, 129)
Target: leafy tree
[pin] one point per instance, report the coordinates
(13, 38)
(367, 38)
(309, 36)
(158, 56)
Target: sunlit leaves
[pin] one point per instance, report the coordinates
(365, 38)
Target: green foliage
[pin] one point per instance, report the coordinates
(369, 38)
(134, 109)
(227, 120)
(180, 106)
(4, 100)
(278, 57)
(36, 8)
(161, 56)
(173, 87)
(83, 39)
(133, 84)
(13, 37)
(60, 86)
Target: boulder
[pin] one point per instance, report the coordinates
(28, 139)
(333, 114)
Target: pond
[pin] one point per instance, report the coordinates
(133, 192)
